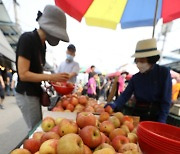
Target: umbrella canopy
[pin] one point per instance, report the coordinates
(130, 13)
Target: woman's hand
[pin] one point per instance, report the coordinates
(59, 77)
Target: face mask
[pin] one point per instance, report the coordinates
(53, 41)
(143, 67)
(69, 57)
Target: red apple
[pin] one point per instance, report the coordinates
(130, 148)
(38, 135)
(20, 151)
(79, 108)
(116, 132)
(127, 118)
(118, 141)
(125, 128)
(65, 102)
(55, 129)
(106, 127)
(89, 109)
(49, 147)
(74, 101)
(115, 121)
(105, 139)
(49, 135)
(104, 116)
(47, 124)
(91, 136)
(70, 107)
(109, 109)
(57, 109)
(82, 100)
(67, 126)
(100, 110)
(70, 144)
(87, 150)
(69, 85)
(85, 119)
(32, 145)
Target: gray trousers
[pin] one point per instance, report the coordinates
(30, 108)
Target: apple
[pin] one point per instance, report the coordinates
(79, 108)
(57, 109)
(38, 135)
(91, 136)
(100, 110)
(70, 107)
(106, 127)
(129, 124)
(37, 152)
(104, 145)
(125, 128)
(105, 151)
(58, 120)
(103, 116)
(65, 102)
(132, 137)
(102, 105)
(47, 124)
(85, 119)
(49, 135)
(20, 151)
(127, 118)
(105, 139)
(109, 109)
(134, 130)
(32, 145)
(55, 129)
(119, 115)
(118, 141)
(89, 109)
(69, 85)
(67, 110)
(74, 101)
(49, 147)
(87, 150)
(115, 121)
(70, 144)
(116, 132)
(82, 100)
(130, 147)
(67, 126)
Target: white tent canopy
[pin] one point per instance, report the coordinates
(5, 49)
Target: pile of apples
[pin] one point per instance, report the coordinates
(75, 103)
(89, 134)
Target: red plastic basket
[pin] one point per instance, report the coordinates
(159, 137)
(62, 88)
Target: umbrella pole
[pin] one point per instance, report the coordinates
(155, 16)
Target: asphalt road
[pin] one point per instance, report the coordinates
(12, 126)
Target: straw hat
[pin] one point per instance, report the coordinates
(53, 22)
(146, 48)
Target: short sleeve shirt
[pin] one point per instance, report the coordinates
(30, 47)
(69, 67)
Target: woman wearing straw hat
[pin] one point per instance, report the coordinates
(30, 59)
(151, 86)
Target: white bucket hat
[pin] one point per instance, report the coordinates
(53, 22)
(146, 48)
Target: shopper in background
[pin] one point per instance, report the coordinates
(2, 86)
(30, 59)
(151, 86)
(8, 81)
(14, 83)
(69, 65)
(92, 85)
(92, 71)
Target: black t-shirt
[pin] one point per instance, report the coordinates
(30, 47)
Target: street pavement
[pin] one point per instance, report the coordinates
(13, 129)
